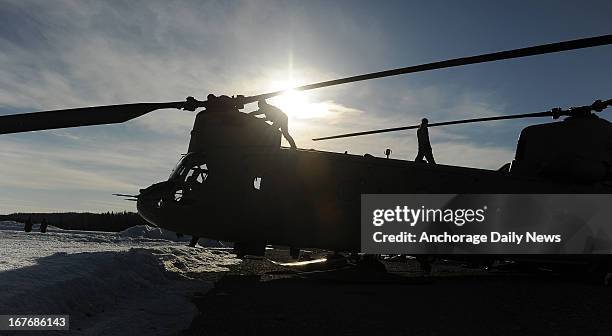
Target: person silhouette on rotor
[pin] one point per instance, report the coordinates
(424, 144)
(277, 117)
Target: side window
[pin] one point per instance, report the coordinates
(257, 183)
(196, 174)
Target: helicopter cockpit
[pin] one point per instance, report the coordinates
(191, 172)
(191, 168)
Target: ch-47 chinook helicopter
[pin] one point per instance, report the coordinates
(238, 184)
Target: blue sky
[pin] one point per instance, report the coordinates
(62, 54)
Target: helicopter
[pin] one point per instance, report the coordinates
(236, 183)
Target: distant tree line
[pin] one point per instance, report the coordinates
(109, 221)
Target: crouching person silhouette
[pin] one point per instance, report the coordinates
(277, 117)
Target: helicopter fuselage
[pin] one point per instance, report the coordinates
(228, 189)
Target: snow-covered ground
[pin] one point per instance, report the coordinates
(138, 281)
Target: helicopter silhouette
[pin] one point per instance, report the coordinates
(236, 183)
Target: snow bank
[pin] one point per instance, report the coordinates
(145, 231)
(72, 282)
(148, 232)
(109, 284)
(106, 292)
(139, 233)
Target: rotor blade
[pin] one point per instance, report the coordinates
(111, 114)
(86, 116)
(496, 56)
(444, 123)
(596, 106)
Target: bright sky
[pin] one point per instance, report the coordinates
(62, 54)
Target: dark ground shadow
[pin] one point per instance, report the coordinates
(457, 305)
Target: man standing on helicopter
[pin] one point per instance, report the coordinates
(277, 117)
(424, 144)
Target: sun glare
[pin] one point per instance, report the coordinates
(291, 102)
(296, 104)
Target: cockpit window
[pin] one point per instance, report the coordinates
(191, 169)
(197, 173)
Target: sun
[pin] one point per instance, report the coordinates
(297, 104)
(292, 102)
